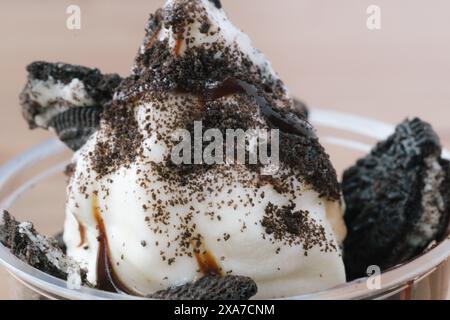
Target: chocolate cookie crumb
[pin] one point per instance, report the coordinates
(38, 251)
(294, 228)
(397, 199)
(211, 288)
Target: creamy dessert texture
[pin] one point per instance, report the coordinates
(140, 223)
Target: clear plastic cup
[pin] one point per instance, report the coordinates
(32, 187)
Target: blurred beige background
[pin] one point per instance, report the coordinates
(321, 48)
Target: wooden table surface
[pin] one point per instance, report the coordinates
(321, 48)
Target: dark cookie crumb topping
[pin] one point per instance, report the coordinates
(159, 73)
(295, 228)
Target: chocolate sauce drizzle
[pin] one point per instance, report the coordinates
(107, 279)
(206, 262)
(82, 232)
(178, 44)
(287, 121)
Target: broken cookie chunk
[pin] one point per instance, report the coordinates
(66, 98)
(397, 199)
(211, 288)
(39, 252)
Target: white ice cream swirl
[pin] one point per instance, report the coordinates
(144, 224)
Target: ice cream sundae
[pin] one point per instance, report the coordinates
(139, 223)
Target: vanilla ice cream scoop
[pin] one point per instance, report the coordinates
(140, 222)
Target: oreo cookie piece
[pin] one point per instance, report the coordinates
(75, 125)
(211, 288)
(39, 251)
(55, 88)
(397, 200)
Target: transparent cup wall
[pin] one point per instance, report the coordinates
(32, 187)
